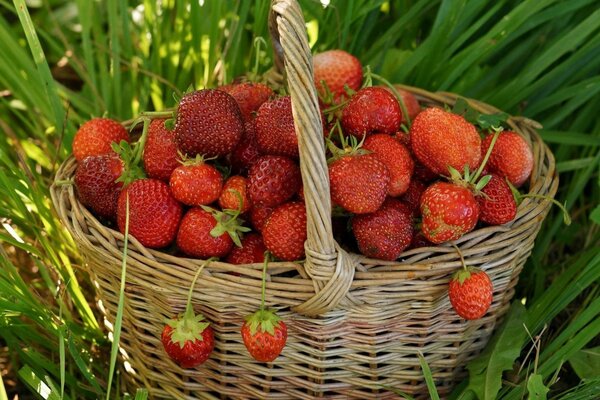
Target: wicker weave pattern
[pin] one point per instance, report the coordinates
(355, 324)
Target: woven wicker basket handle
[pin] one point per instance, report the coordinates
(330, 268)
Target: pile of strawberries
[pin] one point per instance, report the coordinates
(219, 177)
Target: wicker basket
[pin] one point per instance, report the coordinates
(356, 325)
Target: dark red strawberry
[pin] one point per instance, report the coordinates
(272, 180)
(196, 183)
(337, 68)
(470, 293)
(396, 158)
(497, 203)
(235, 194)
(383, 234)
(208, 122)
(246, 152)
(440, 139)
(97, 186)
(284, 233)
(249, 96)
(154, 214)
(275, 132)
(160, 152)
(419, 240)
(371, 110)
(449, 211)
(359, 183)
(412, 196)
(205, 233)
(252, 250)
(424, 174)
(511, 157)
(96, 136)
(259, 215)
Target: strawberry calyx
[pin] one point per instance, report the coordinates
(227, 222)
(349, 146)
(191, 161)
(263, 321)
(464, 273)
(368, 79)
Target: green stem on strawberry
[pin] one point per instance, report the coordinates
(157, 114)
(487, 154)
(462, 259)
(139, 148)
(64, 182)
(189, 310)
(566, 216)
(263, 293)
(394, 91)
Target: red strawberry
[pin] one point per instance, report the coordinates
(337, 68)
(259, 215)
(470, 293)
(272, 180)
(371, 110)
(249, 97)
(205, 233)
(96, 136)
(154, 213)
(285, 231)
(412, 196)
(449, 211)
(419, 240)
(395, 157)
(440, 139)
(410, 102)
(160, 152)
(196, 183)
(264, 335)
(385, 233)
(252, 250)
(97, 188)
(275, 132)
(359, 182)
(208, 122)
(189, 341)
(423, 173)
(247, 151)
(235, 191)
(497, 204)
(510, 157)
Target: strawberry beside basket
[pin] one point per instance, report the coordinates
(355, 325)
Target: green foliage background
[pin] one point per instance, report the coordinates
(62, 62)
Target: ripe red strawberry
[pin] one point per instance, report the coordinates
(371, 110)
(252, 250)
(359, 182)
(497, 204)
(264, 335)
(208, 122)
(272, 180)
(97, 186)
(419, 240)
(196, 183)
(154, 213)
(440, 139)
(160, 152)
(275, 132)
(410, 102)
(96, 136)
(424, 174)
(449, 211)
(259, 215)
(510, 157)
(337, 68)
(246, 152)
(470, 293)
(284, 233)
(205, 233)
(249, 97)
(385, 233)
(412, 196)
(189, 341)
(235, 194)
(395, 157)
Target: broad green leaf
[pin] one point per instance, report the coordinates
(586, 363)
(536, 388)
(595, 215)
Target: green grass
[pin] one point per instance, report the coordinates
(64, 61)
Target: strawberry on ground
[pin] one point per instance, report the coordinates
(96, 136)
(470, 292)
(371, 110)
(208, 122)
(395, 157)
(385, 233)
(284, 233)
(246, 152)
(272, 180)
(154, 213)
(97, 186)
(497, 204)
(196, 183)
(440, 139)
(511, 157)
(160, 152)
(252, 250)
(449, 211)
(249, 97)
(337, 68)
(188, 339)
(235, 194)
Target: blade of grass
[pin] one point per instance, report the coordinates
(433, 393)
